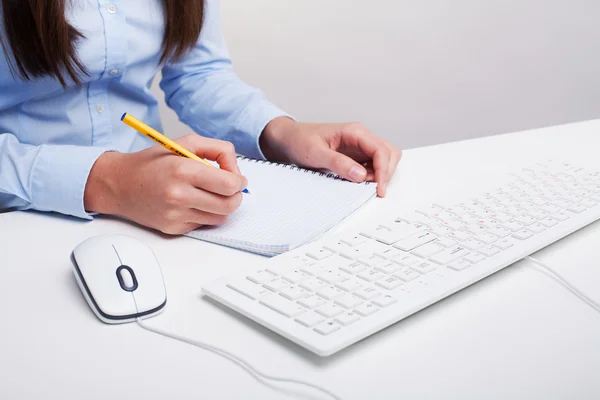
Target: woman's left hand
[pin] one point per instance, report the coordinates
(347, 149)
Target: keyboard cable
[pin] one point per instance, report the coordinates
(556, 276)
(261, 376)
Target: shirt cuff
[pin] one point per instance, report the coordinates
(253, 121)
(59, 177)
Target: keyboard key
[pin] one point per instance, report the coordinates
(330, 310)
(319, 253)
(561, 216)
(310, 319)
(349, 285)
(311, 302)
(353, 268)
(499, 232)
(474, 258)
(295, 276)
(371, 275)
(536, 228)
(367, 293)
(424, 267)
(389, 283)
(428, 250)
(331, 276)
(293, 293)
(504, 244)
(489, 250)
(550, 208)
(406, 274)
(391, 253)
(446, 242)
(335, 261)
(387, 236)
(330, 292)
(452, 224)
(461, 235)
(408, 260)
(449, 255)
(312, 269)
(562, 203)
(276, 284)
(472, 244)
(384, 301)
(293, 263)
(347, 318)
(411, 242)
(248, 289)
(459, 265)
(486, 237)
(388, 268)
(577, 208)
(523, 234)
(282, 305)
(312, 285)
(549, 222)
(588, 202)
(512, 226)
(260, 276)
(348, 301)
(373, 261)
(538, 214)
(353, 240)
(327, 328)
(366, 309)
(525, 220)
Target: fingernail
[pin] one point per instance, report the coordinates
(357, 173)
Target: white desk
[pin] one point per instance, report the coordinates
(517, 334)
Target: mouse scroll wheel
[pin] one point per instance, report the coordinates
(127, 278)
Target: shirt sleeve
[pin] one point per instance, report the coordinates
(46, 177)
(208, 96)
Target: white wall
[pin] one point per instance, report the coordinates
(419, 72)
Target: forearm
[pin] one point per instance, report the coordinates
(46, 177)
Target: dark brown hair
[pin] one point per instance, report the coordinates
(42, 41)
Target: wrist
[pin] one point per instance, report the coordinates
(272, 139)
(101, 189)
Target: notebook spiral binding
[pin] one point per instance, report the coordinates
(293, 167)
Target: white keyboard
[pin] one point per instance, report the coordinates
(334, 292)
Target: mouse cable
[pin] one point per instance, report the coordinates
(235, 359)
(556, 276)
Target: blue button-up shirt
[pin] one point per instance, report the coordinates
(51, 136)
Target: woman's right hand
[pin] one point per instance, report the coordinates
(160, 190)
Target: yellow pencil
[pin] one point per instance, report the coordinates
(163, 140)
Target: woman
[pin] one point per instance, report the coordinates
(71, 69)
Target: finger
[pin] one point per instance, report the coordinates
(203, 218)
(381, 156)
(396, 155)
(213, 203)
(375, 148)
(214, 180)
(213, 149)
(342, 165)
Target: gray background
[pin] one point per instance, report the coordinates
(419, 72)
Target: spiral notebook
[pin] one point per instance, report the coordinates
(287, 207)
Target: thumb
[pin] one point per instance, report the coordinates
(343, 166)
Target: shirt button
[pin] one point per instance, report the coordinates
(100, 108)
(113, 72)
(112, 8)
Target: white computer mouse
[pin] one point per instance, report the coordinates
(120, 278)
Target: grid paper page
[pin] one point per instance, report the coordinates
(287, 207)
